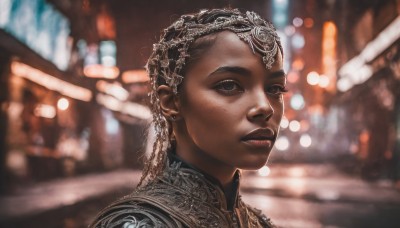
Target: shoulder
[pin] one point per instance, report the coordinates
(130, 213)
(262, 218)
(256, 218)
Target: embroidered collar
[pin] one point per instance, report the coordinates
(231, 202)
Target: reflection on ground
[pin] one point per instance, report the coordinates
(294, 195)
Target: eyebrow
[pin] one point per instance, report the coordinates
(231, 69)
(277, 74)
(244, 71)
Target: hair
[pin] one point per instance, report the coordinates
(181, 44)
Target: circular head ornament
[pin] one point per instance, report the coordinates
(171, 53)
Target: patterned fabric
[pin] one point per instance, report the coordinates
(181, 197)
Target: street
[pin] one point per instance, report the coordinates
(92, 92)
(294, 195)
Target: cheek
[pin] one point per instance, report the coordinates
(278, 106)
(203, 111)
(207, 117)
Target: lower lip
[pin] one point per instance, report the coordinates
(265, 143)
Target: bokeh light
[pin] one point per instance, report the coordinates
(297, 22)
(264, 171)
(323, 81)
(298, 41)
(290, 30)
(313, 78)
(297, 102)
(308, 22)
(62, 104)
(305, 140)
(282, 143)
(284, 122)
(294, 126)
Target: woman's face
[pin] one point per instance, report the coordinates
(230, 105)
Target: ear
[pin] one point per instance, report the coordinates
(168, 102)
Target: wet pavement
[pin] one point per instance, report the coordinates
(68, 203)
(303, 196)
(321, 196)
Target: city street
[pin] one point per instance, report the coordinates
(292, 196)
(91, 88)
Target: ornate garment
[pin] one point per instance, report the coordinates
(181, 197)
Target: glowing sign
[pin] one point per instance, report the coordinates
(329, 37)
(135, 76)
(130, 108)
(38, 25)
(50, 82)
(357, 70)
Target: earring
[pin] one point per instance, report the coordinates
(173, 117)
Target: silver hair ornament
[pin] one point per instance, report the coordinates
(252, 29)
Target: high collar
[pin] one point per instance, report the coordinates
(231, 199)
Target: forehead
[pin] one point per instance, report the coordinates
(228, 49)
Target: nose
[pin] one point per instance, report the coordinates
(261, 109)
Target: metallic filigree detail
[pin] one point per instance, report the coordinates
(259, 34)
(133, 215)
(181, 197)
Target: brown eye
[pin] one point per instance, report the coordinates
(229, 87)
(276, 90)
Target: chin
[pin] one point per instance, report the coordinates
(254, 165)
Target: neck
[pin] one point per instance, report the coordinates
(209, 165)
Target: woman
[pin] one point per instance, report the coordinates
(217, 84)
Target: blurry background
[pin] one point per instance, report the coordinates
(74, 109)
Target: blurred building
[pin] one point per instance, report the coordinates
(44, 103)
(368, 85)
(73, 90)
(343, 80)
(65, 109)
